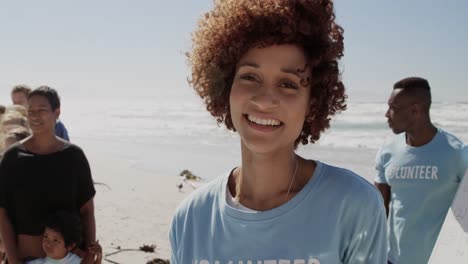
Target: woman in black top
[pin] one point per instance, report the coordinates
(39, 176)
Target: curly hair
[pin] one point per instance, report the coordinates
(234, 26)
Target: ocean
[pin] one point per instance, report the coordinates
(170, 136)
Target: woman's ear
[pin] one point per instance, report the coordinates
(57, 113)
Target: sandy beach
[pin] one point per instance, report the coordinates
(134, 206)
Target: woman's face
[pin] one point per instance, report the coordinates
(41, 117)
(268, 101)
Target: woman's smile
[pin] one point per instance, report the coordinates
(262, 124)
(268, 103)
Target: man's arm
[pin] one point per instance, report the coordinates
(8, 237)
(385, 190)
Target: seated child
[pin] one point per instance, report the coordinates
(62, 234)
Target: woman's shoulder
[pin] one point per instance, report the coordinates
(71, 146)
(202, 198)
(13, 150)
(72, 149)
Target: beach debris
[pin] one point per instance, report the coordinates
(188, 175)
(144, 248)
(180, 186)
(111, 261)
(101, 183)
(148, 248)
(158, 261)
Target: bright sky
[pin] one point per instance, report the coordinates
(135, 49)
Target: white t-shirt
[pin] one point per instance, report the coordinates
(70, 258)
(231, 201)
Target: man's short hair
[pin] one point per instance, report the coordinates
(49, 93)
(415, 87)
(412, 83)
(21, 88)
(68, 225)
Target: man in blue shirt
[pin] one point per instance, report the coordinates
(418, 173)
(61, 131)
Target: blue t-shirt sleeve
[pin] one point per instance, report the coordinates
(61, 131)
(379, 167)
(369, 245)
(173, 239)
(464, 162)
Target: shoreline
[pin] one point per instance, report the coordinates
(129, 211)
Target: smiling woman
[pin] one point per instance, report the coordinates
(40, 175)
(269, 70)
(268, 99)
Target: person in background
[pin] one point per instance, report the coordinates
(43, 163)
(18, 108)
(12, 119)
(19, 96)
(13, 135)
(61, 131)
(418, 173)
(269, 71)
(13, 127)
(62, 234)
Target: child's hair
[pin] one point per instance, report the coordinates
(68, 225)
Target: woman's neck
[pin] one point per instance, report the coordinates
(266, 181)
(43, 144)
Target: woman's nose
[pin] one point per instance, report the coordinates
(266, 98)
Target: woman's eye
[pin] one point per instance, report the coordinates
(289, 85)
(248, 77)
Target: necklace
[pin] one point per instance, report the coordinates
(292, 180)
(237, 198)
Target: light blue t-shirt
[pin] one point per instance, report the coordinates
(423, 183)
(338, 217)
(70, 258)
